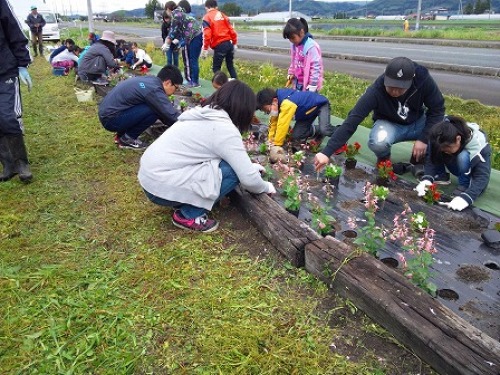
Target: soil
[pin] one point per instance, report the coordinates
(473, 273)
(459, 223)
(357, 174)
(356, 336)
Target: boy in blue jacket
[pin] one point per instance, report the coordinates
(283, 105)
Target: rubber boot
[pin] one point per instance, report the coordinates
(20, 156)
(7, 160)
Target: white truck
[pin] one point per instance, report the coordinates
(23, 7)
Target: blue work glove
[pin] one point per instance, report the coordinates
(25, 77)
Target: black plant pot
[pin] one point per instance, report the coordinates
(294, 212)
(332, 180)
(382, 181)
(350, 163)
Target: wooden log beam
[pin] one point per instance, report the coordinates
(287, 233)
(436, 334)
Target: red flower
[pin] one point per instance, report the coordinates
(385, 170)
(357, 146)
(341, 150)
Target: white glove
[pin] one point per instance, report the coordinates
(422, 187)
(235, 47)
(133, 67)
(259, 168)
(312, 88)
(175, 41)
(271, 189)
(204, 53)
(456, 204)
(165, 46)
(290, 77)
(25, 77)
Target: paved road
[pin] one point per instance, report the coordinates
(479, 57)
(483, 88)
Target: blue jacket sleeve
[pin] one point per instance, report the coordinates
(162, 106)
(13, 42)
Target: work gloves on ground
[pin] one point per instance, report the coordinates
(422, 187)
(25, 77)
(277, 153)
(204, 53)
(456, 204)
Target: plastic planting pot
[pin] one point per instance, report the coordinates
(58, 71)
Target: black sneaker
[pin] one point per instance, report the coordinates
(442, 179)
(418, 171)
(401, 168)
(127, 142)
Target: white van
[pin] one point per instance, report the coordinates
(51, 29)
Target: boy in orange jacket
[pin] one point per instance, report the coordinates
(219, 35)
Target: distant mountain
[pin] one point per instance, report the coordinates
(328, 9)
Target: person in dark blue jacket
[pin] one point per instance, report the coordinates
(128, 55)
(66, 44)
(15, 60)
(463, 149)
(137, 103)
(283, 105)
(406, 103)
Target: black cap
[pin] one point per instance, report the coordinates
(399, 73)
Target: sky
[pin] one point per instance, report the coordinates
(108, 6)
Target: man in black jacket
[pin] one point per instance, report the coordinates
(15, 59)
(405, 101)
(36, 22)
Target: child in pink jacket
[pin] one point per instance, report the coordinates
(306, 68)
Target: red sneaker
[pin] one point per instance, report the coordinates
(200, 224)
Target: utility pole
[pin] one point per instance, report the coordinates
(419, 12)
(290, 9)
(90, 15)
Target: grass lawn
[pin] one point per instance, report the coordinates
(94, 279)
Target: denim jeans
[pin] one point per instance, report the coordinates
(458, 165)
(193, 50)
(172, 56)
(384, 134)
(224, 50)
(229, 182)
(132, 121)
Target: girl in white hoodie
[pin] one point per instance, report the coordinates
(201, 158)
